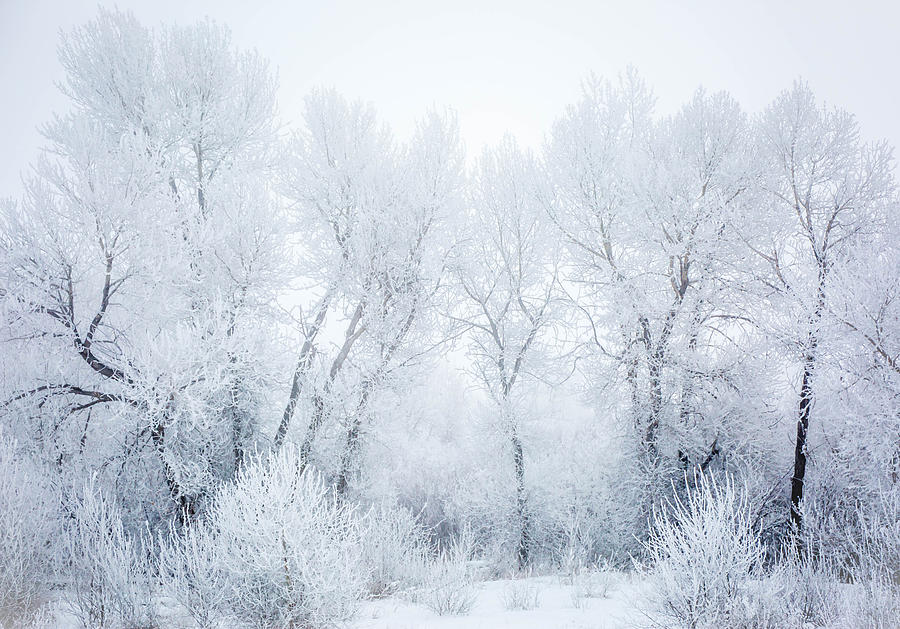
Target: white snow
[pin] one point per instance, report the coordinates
(559, 608)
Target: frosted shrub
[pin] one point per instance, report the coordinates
(813, 595)
(766, 603)
(521, 595)
(704, 553)
(589, 575)
(449, 589)
(876, 595)
(395, 548)
(290, 552)
(804, 593)
(192, 566)
(598, 518)
(877, 545)
(855, 541)
(590, 582)
(874, 604)
(813, 590)
(112, 572)
(28, 521)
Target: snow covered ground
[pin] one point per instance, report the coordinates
(599, 601)
(602, 600)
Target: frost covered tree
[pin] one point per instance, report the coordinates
(144, 259)
(508, 281)
(692, 177)
(824, 195)
(644, 207)
(377, 223)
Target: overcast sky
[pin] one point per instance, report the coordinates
(504, 66)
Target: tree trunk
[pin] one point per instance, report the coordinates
(655, 384)
(800, 443)
(351, 335)
(522, 549)
(315, 422)
(805, 406)
(351, 444)
(631, 376)
(186, 507)
(304, 361)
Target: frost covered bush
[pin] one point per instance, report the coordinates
(876, 547)
(289, 551)
(803, 592)
(590, 582)
(873, 604)
(112, 573)
(449, 589)
(191, 564)
(597, 511)
(812, 589)
(521, 595)
(277, 548)
(704, 552)
(28, 521)
(395, 549)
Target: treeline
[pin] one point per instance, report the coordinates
(211, 317)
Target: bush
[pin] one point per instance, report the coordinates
(873, 604)
(28, 525)
(590, 582)
(812, 590)
(449, 589)
(704, 553)
(289, 553)
(190, 563)
(877, 544)
(113, 577)
(395, 549)
(521, 595)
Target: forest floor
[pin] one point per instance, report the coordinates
(608, 600)
(598, 600)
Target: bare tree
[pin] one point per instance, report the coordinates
(643, 208)
(823, 191)
(373, 215)
(508, 276)
(145, 254)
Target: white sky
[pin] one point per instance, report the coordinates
(504, 66)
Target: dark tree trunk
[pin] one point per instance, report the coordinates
(631, 376)
(238, 438)
(805, 406)
(522, 549)
(656, 357)
(319, 399)
(238, 418)
(350, 447)
(800, 443)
